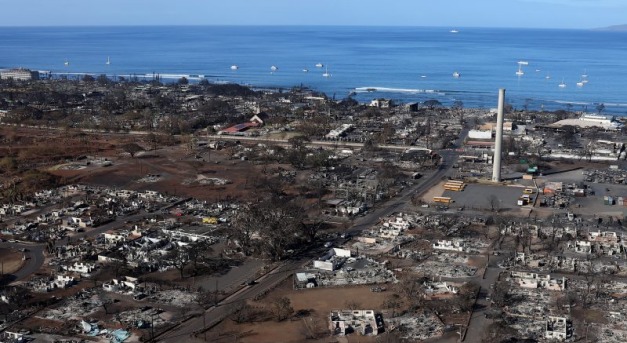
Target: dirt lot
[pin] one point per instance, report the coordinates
(318, 302)
(11, 260)
(67, 154)
(178, 174)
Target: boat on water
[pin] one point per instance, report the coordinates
(108, 61)
(326, 72)
(547, 76)
(520, 72)
(274, 68)
(456, 75)
(234, 67)
(454, 31)
(319, 65)
(580, 84)
(66, 63)
(584, 77)
(562, 84)
(305, 70)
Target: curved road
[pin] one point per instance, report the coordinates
(34, 258)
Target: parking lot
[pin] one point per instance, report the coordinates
(476, 196)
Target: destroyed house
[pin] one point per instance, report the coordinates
(559, 328)
(365, 322)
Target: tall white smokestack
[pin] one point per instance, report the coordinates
(498, 143)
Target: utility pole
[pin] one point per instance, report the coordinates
(204, 325)
(215, 295)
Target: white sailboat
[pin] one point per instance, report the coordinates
(234, 67)
(584, 77)
(305, 70)
(456, 75)
(520, 72)
(454, 31)
(319, 65)
(274, 68)
(580, 84)
(108, 61)
(562, 84)
(326, 72)
(66, 63)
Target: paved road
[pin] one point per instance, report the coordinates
(479, 323)
(313, 144)
(188, 330)
(34, 258)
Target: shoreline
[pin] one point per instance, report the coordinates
(399, 95)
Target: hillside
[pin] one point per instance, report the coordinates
(613, 28)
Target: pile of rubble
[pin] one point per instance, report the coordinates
(203, 180)
(80, 306)
(150, 178)
(446, 269)
(530, 328)
(612, 334)
(618, 177)
(142, 318)
(417, 327)
(362, 277)
(174, 297)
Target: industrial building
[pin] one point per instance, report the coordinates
(19, 74)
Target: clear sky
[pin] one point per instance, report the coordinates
(447, 13)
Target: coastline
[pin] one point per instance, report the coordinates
(366, 94)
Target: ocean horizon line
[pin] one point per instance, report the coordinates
(448, 27)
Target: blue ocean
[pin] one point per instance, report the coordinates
(406, 64)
